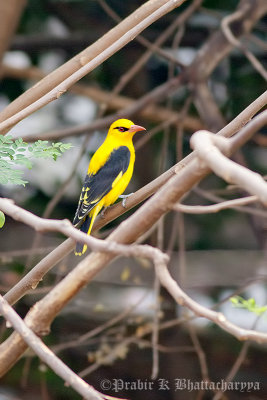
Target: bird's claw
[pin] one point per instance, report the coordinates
(103, 211)
(124, 199)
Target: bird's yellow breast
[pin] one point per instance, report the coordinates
(119, 186)
(100, 158)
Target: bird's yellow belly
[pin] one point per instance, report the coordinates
(118, 188)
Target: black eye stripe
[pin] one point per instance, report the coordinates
(121, 129)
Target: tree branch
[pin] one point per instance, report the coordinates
(214, 208)
(218, 318)
(235, 42)
(209, 147)
(152, 113)
(10, 12)
(36, 274)
(42, 314)
(208, 57)
(46, 355)
(86, 61)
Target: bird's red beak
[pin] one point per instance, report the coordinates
(136, 128)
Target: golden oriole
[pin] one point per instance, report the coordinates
(109, 173)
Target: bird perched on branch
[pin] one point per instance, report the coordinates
(109, 173)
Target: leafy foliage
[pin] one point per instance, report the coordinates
(249, 305)
(17, 152)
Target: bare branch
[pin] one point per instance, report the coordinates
(10, 12)
(153, 47)
(214, 208)
(242, 119)
(45, 354)
(65, 227)
(88, 54)
(40, 317)
(207, 147)
(152, 113)
(221, 202)
(218, 318)
(98, 329)
(37, 273)
(111, 46)
(200, 352)
(212, 52)
(207, 107)
(235, 42)
(217, 47)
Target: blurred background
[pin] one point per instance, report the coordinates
(214, 256)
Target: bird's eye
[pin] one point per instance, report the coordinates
(121, 129)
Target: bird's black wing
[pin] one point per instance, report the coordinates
(97, 185)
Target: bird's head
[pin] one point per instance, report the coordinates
(124, 129)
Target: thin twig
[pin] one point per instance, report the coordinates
(235, 42)
(214, 208)
(99, 329)
(153, 47)
(237, 364)
(200, 352)
(220, 200)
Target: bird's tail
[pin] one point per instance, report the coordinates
(86, 228)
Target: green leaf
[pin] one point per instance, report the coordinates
(249, 305)
(19, 140)
(8, 139)
(40, 154)
(8, 150)
(11, 155)
(24, 161)
(2, 219)
(3, 179)
(234, 300)
(261, 310)
(20, 156)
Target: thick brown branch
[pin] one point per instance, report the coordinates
(56, 83)
(217, 47)
(37, 273)
(209, 56)
(207, 147)
(10, 12)
(43, 313)
(45, 354)
(152, 113)
(65, 227)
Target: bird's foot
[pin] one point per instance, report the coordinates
(124, 197)
(103, 211)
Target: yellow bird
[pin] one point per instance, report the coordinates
(109, 173)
